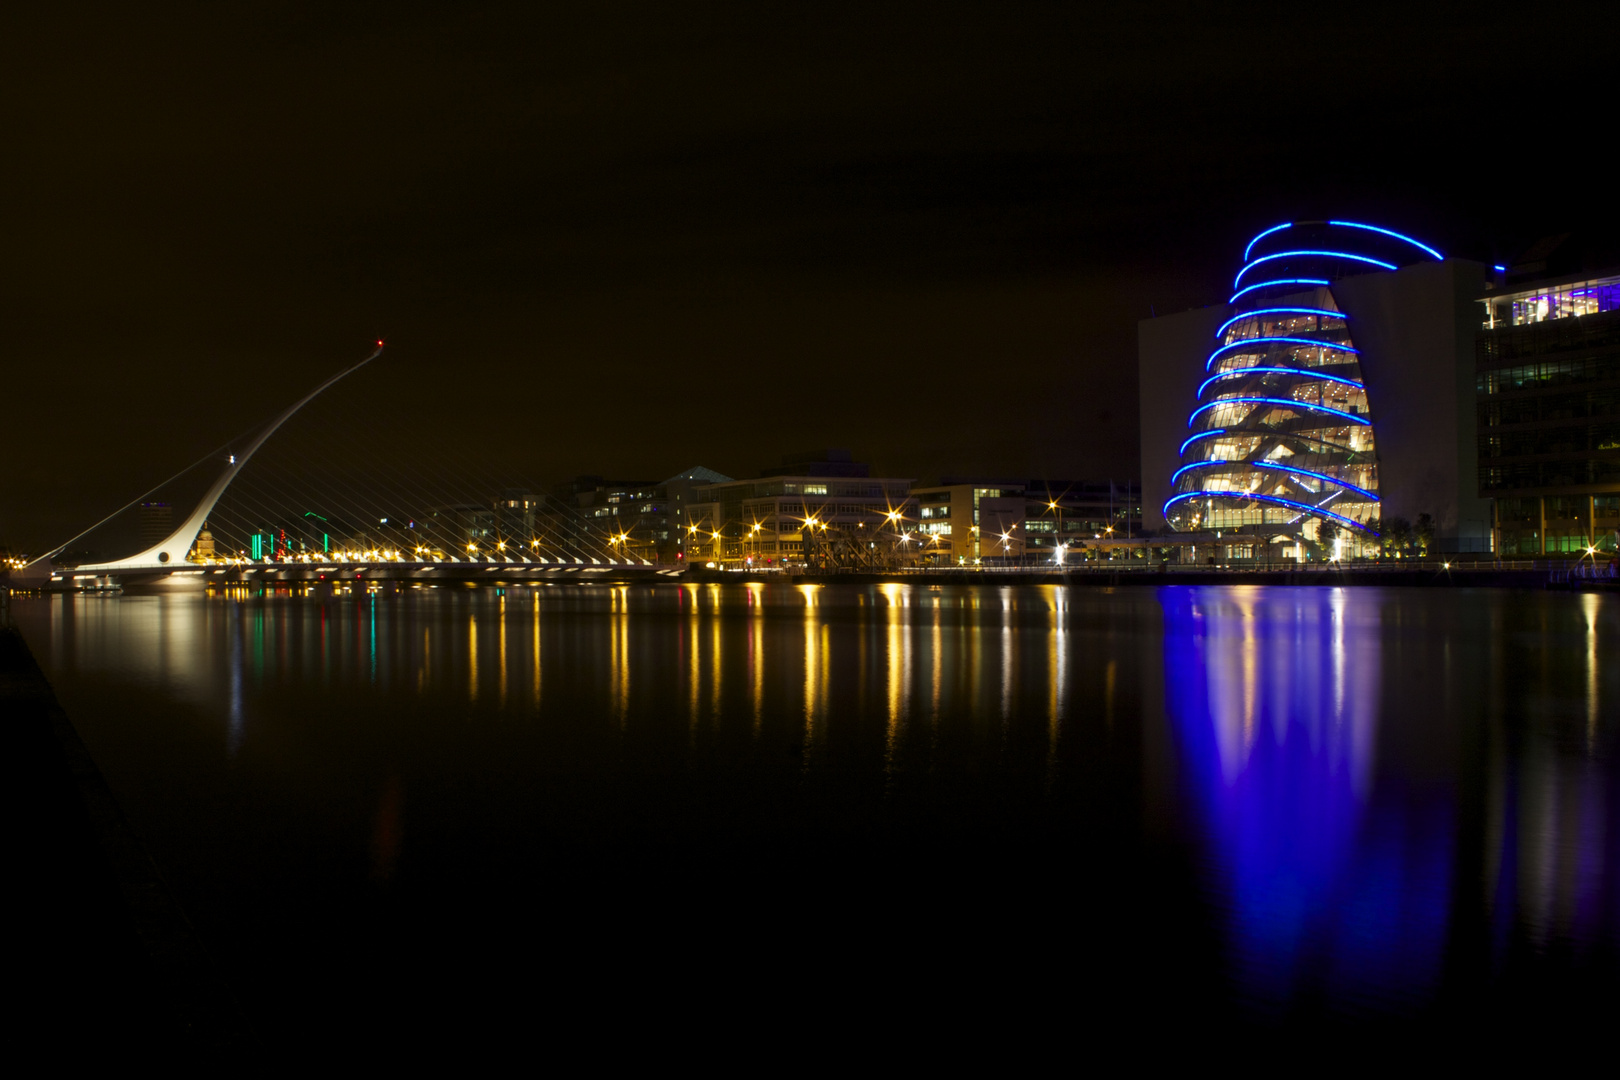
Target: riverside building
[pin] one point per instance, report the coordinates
(1331, 392)
(970, 521)
(642, 520)
(1548, 385)
(811, 507)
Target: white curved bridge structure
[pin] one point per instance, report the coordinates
(170, 552)
(172, 548)
(167, 559)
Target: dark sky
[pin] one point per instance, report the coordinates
(647, 237)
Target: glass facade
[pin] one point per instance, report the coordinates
(1548, 398)
(1546, 302)
(1281, 442)
(1283, 435)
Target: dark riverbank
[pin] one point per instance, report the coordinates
(110, 964)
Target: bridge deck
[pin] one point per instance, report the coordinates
(107, 576)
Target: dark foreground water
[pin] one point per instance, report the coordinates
(481, 818)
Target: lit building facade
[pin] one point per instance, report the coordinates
(963, 522)
(967, 521)
(640, 520)
(1548, 385)
(1073, 514)
(1330, 393)
(813, 509)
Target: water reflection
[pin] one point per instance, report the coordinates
(619, 655)
(1335, 861)
(1276, 698)
(1375, 782)
(1589, 611)
(756, 655)
(897, 665)
(234, 721)
(472, 658)
(534, 661)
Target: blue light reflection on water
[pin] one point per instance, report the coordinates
(1392, 793)
(1274, 698)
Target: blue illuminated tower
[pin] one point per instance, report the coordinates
(1281, 439)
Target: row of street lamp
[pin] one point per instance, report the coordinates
(619, 541)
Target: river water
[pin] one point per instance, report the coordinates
(399, 819)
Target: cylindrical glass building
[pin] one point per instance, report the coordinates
(1281, 440)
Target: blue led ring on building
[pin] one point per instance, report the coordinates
(1300, 432)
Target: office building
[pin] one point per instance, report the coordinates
(814, 509)
(968, 521)
(1548, 384)
(640, 519)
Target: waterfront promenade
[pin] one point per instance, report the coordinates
(1427, 573)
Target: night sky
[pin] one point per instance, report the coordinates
(643, 238)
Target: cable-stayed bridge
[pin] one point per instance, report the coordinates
(248, 526)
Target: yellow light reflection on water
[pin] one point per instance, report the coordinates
(811, 663)
(425, 669)
(756, 666)
(472, 657)
(715, 649)
(936, 646)
(1057, 677)
(1009, 663)
(898, 669)
(694, 676)
(1589, 609)
(619, 653)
